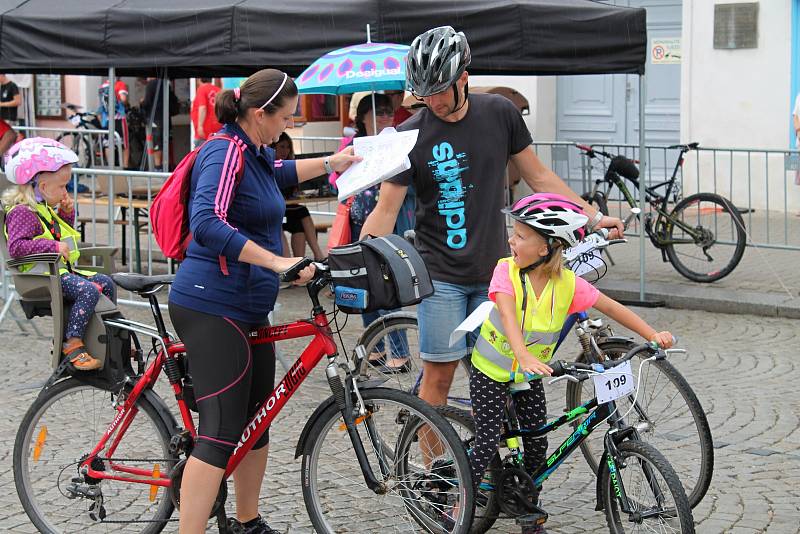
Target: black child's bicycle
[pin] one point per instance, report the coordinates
(637, 488)
(703, 236)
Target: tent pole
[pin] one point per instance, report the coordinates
(192, 96)
(643, 164)
(112, 157)
(374, 115)
(165, 123)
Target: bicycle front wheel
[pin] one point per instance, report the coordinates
(396, 336)
(705, 237)
(412, 451)
(655, 495)
(58, 431)
(667, 415)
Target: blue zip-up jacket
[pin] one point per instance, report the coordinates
(222, 217)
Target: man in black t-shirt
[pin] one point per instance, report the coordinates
(10, 99)
(458, 169)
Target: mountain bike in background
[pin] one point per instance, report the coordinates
(703, 236)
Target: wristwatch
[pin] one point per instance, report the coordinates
(326, 162)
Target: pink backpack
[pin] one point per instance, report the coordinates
(169, 213)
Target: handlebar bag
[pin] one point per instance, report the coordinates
(378, 273)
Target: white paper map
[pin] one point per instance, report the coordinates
(384, 156)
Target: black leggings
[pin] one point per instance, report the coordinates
(230, 379)
(488, 400)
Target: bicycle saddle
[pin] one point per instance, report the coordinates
(141, 283)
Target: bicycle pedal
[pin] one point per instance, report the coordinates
(533, 519)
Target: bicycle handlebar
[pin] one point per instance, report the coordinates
(582, 371)
(619, 164)
(291, 274)
(596, 240)
(685, 148)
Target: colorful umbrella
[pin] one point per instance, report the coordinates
(361, 67)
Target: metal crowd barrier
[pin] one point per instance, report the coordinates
(93, 141)
(315, 144)
(760, 183)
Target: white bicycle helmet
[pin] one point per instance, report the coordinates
(29, 157)
(553, 216)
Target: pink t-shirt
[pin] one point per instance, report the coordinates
(584, 298)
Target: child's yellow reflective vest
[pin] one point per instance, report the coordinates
(68, 235)
(544, 319)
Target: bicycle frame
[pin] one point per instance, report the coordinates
(656, 201)
(597, 415)
(321, 345)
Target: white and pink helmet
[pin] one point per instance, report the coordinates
(553, 216)
(29, 157)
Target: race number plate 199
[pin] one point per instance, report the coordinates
(614, 383)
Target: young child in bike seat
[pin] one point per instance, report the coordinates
(533, 295)
(41, 168)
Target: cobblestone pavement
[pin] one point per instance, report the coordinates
(742, 368)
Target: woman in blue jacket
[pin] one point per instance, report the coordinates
(229, 282)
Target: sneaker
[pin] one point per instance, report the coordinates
(254, 526)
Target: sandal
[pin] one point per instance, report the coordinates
(376, 358)
(80, 358)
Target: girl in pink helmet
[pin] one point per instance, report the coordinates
(39, 218)
(533, 295)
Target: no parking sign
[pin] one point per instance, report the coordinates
(665, 51)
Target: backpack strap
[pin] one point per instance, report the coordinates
(223, 261)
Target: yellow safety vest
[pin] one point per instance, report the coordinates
(69, 235)
(544, 319)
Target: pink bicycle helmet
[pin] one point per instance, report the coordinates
(553, 216)
(29, 157)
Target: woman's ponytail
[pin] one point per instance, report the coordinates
(226, 108)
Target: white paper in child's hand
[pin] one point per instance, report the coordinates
(471, 323)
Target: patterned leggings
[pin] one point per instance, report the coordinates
(488, 400)
(83, 295)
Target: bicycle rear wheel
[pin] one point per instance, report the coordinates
(60, 429)
(425, 489)
(397, 336)
(668, 415)
(654, 493)
(80, 145)
(719, 245)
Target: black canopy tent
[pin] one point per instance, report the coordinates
(215, 38)
(192, 38)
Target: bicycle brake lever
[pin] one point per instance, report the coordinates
(631, 216)
(563, 377)
(676, 351)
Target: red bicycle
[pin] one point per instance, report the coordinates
(92, 454)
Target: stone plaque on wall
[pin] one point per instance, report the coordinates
(736, 25)
(49, 95)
